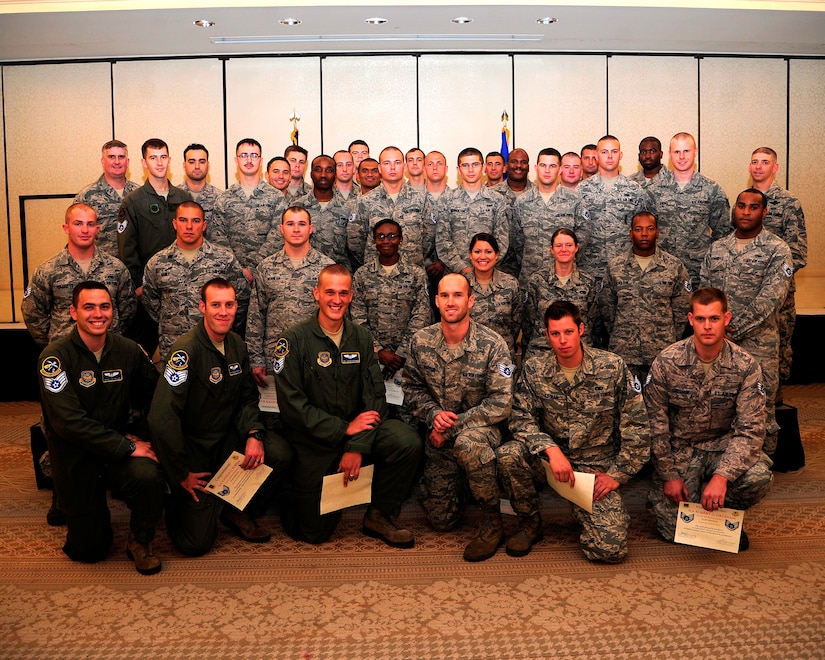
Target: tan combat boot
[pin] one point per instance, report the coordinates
(490, 536)
(528, 533)
(146, 563)
(384, 527)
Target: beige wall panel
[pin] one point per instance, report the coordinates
(743, 106)
(560, 102)
(461, 98)
(656, 96)
(57, 116)
(178, 101)
(807, 113)
(369, 98)
(261, 95)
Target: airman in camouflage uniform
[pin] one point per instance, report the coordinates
(707, 420)
(595, 418)
(48, 297)
(499, 306)
(512, 188)
(105, 198)
(785, 219)
(458, 382)
(756, 278)
(650, 158)
(173, 279)
(195, 171)
(207, 198)
(644, 307)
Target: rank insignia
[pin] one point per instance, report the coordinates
(173, 377)
(688, 518)
(50, 366)
(179, 360)
(215, 375)
(87, 378)
(637, 386)
(506, 370)
(278, 364)
(56, 384)
(121, 226)
(324, 358)
(731, 525)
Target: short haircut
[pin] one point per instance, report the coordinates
(494, 154)
(487, 238)
(754, 191)
(390, 148)
(570, 153)
(195, 147)
(651, 138)
(765, 150)
(251, 141)
(295, 147)
(322, 156)
(557, 310)
(564, 231)
(88, 285)
(112, 144)
(333, 269)
(469, 151)
(464, 279)
(295, 209)
(367, 161)
(341, 151)
(77, 206)
(153, 143)
(357, 142)
(707, 296)
(587, 147)
(645, 214)
(682, 135)
(190, 204)
(607, 137)
(272, 160)
(218, 283)
(549, 151)
(414, 149)
(387, 221)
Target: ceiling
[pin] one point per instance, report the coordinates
(46, 30)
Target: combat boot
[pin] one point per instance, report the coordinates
(528, 533)
(490, 536)
(146, 563)
(385, 528)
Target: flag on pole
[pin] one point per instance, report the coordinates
(505, 139)
(295, 118)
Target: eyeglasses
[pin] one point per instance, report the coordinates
(246, 156)
(386, 237)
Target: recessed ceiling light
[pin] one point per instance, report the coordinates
(290, 21)
(547, 20)
(461, 20)
(204, 23)
(375, 21)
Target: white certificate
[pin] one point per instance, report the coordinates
(269, 397)
(581, 494)
(395, 395)
(235, 485)
(717, 530)
(335, 496)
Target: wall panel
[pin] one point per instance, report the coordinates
(261, 95)
(372, 99)
(805, 179)
(743, 105)
(56, 118)
(656, 96)
(560, 102)
(180, 102)
(460, 103)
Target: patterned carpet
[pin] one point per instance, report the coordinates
(355, 598)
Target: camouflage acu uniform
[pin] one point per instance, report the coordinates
(644, 311)
(705, 424)
(171, 289)
(106, 202)
(475, 381)
(500, 306)
(756, 281)
(392, 306)
(600, 424)
(639, 177)
(145, 226)
(49, 294)
(298, 198)
(611, 210)
(281, 297)
(510, 262)
(207, 198)
(460, 217)
(690, 218)
(411, 209)
(543, 288)
(786, 219)
(249, 226)
(535, 221)
(329, 223)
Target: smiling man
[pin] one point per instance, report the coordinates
(333, 405)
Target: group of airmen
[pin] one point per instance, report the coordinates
(585, 320)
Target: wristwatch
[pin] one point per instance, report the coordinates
(132, 447)
(257, 434)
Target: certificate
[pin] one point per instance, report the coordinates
(335, 496)
(717, 530)
(235, 485)
(269, 397)
(581, 494)
(395, 395)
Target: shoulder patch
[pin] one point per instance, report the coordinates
(50, 366)
(178, 360)
(281, 348)
(278, 364)
(56, 384)
(506, 370)
(121, 226)
(27, 292)
(637, 385)
(786, 269)
(688, 286)
(175, 377)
